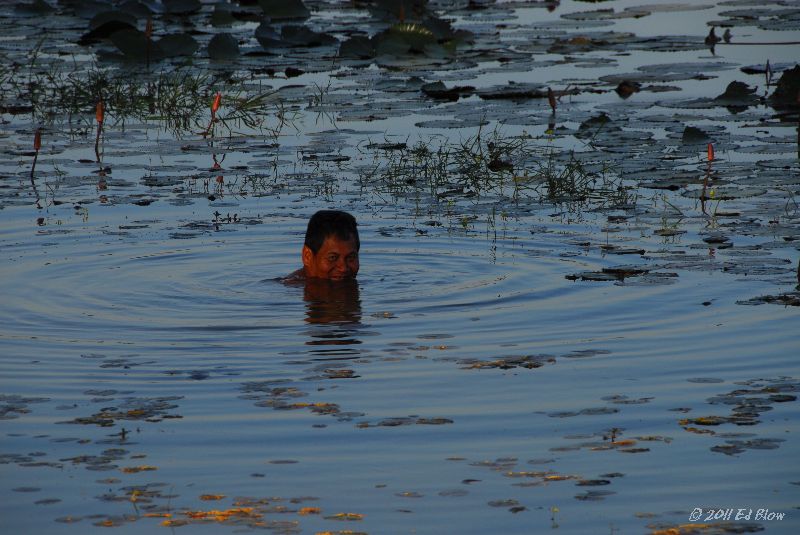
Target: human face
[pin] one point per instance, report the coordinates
(336, 259)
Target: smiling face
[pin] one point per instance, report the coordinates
(336, 259)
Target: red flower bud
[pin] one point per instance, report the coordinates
(100, 112)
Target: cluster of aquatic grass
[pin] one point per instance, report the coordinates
(178, 98)
(512, 168)
(559, 177)
(478, 165)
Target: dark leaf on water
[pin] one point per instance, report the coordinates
(503, 503)
(26, 489)
(434, 421)
(594, 495)
(626, 88)
(787, 299)
(284, 9)
(402, 39)
(454, 493)
(177, 45)
(223, 47)
(105, 17)
(738, 92)
(693, 135)
(181, 7)
(104, 31)
(222, 16)
(134, 45)
(268, 37)
(592, 482)
(356, 47)
(438, 90)
(35, 8)
(139, 8)
(47, 501)
(514, 91)
(297, 35)
(787, 92)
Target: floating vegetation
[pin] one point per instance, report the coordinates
(529, 362)
(403, 421)
(345, 517)
(221, 124)
(786, 299)
(621, 273)
(747, 404)
(135, 409)
(713, 528)
(12, 406)
(787, 90)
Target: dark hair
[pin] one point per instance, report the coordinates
(330, 223)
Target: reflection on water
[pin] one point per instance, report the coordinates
(333, 313)
(531, 355)
(329, 302)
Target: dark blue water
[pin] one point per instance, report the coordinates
(472, 381)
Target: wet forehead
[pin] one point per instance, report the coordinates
(333, 244)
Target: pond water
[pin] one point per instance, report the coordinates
(568, 320)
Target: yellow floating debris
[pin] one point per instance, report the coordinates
(222, 516)
(345, 516)
(557, 478)
(137, 469)
(689, 529)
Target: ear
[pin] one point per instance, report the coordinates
(307, 256)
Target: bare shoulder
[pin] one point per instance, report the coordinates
(295, 277)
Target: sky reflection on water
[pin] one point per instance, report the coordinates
(507, 362)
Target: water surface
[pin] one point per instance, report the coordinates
(485, 374)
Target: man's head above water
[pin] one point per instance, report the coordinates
(331, 246)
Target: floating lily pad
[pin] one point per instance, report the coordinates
(787, 91)
(514, 91)
(135, 45)
(438, 90)
(266, 35)
(451, 123)
(123, 19)
(177, 45)
(181, 7)
(223, 15)
(786, 299)
(284, 9)
(296, 35)
(357, 47)
(223, 47)
(693, 135)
